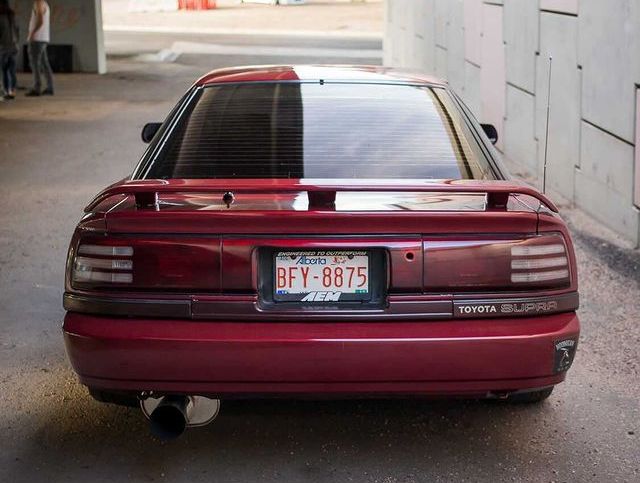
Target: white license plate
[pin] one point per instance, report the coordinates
(322, 276)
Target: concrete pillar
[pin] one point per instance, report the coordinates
(73, 22)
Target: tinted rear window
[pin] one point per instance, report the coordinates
(309, 130)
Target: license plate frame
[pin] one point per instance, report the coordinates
(378, 280)
(317, 292)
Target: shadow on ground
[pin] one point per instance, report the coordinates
(73, 435)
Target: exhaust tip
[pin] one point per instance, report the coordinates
(169, 419)
(169, 416)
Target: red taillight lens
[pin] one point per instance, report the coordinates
(163, 263)
(476, 265)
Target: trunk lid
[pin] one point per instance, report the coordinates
(250, 220)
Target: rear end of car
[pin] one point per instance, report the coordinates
(320, 238)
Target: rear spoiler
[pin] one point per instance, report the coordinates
(321, 193)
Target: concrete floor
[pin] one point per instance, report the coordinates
(56, 153)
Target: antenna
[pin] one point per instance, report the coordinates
(546, 137)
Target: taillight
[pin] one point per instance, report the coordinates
(147, 263)
(539, 263)
(103, 264)
(474, 265)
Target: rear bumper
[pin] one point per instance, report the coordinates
(453, 357)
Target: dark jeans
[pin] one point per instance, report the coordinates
(40, 65)
(8, 66)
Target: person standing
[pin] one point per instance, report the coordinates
(39, 37)
(8, 49)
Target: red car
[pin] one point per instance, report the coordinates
(318, 230)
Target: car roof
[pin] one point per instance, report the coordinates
(329, 73)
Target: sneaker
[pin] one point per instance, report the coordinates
(32, 93)
(47, 92)
(9, 97)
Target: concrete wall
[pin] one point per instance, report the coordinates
(495, 54)
(75, 22)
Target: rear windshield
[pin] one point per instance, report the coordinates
(322, 131)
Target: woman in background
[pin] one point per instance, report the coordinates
(8, 49)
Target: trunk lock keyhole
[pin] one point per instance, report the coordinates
(228, 199)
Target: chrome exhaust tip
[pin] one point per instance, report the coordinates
(169, 416)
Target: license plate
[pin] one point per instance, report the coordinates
(322, 276)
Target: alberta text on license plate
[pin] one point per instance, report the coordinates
(322, 276)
